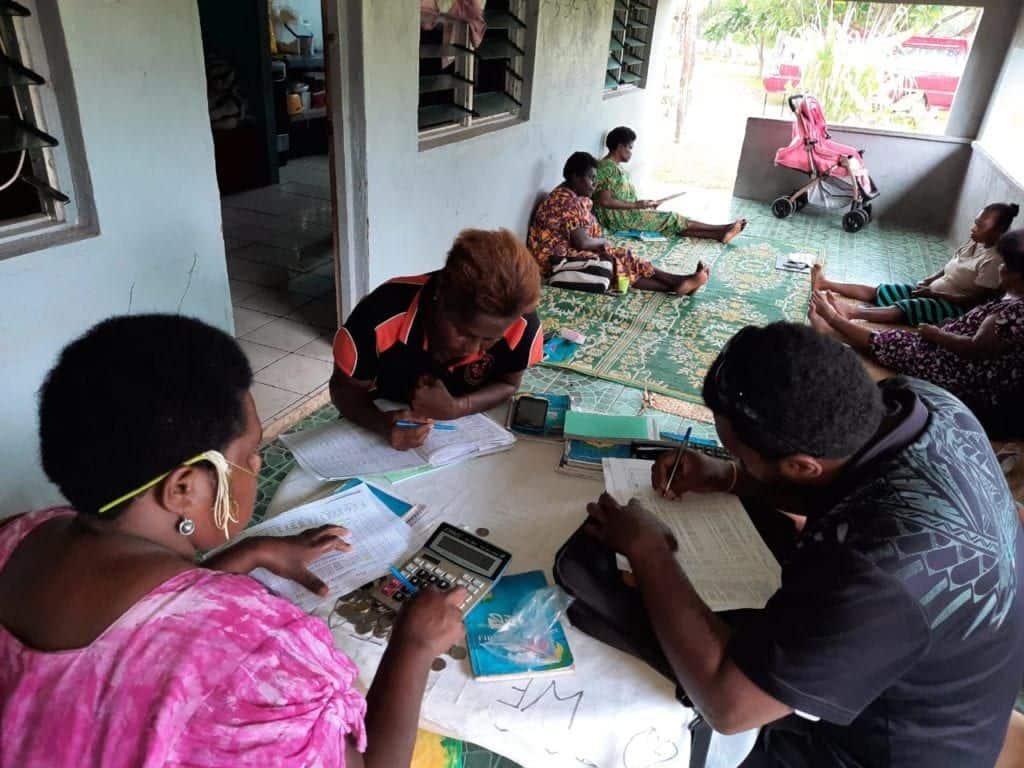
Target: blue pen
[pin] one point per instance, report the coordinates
(417, 424)
(413, 589)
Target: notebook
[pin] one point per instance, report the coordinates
(341, 449)
(491, 613)
(598, 426)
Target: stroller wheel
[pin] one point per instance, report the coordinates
(855, 220)
(782, 208)
(870, 213)
(801, 202)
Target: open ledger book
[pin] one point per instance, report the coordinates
(720, 550)
(378, 537)
(341, 449)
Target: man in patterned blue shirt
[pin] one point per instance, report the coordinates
(897, 636)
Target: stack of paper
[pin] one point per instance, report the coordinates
(378, 537)
(720, 550)
(341, 449)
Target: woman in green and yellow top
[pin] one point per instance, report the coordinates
(616, 205)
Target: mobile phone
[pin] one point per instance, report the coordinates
(530, 413)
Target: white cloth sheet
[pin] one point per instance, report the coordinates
(613, 712)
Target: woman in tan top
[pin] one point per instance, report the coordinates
(970, 278)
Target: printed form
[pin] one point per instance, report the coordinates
(378, 538)
(720, 550)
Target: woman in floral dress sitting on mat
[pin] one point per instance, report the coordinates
(978, 357)
(569, 245)
(617, 208)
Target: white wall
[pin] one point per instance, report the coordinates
(1003, 128)
(138, 70)
(418, 201)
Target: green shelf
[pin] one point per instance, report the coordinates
(635, 42)
(610, 83)
(613, 63)
(628, 58)
(615, 45)
(629, 77)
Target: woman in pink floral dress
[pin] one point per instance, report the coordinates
(115, 648)
(979, 357)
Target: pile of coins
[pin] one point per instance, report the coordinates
(366, 615)
(371, 618)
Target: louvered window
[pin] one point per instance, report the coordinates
(630, 46)
(463, 86)
(36, 180)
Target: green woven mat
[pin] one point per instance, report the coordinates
(666, 343)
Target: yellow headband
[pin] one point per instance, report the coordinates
(224, 507)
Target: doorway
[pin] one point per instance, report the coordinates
(266, 89)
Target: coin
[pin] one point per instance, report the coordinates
(348, 613)
(483, 532)
(457, 652)
(364, 627)
(438, 664)
(386, 621)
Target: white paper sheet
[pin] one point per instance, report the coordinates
(472, 434)
(720, 550)
(379, 539)
(341, 449)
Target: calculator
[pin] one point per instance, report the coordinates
(451, 558)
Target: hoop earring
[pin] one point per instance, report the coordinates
(186, 526)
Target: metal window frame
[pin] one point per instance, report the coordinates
(517, 85)
(630, 7)
(54, 110)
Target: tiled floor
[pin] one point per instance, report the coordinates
(281, 270)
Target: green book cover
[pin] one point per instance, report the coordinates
(597, 426)
(492, 612)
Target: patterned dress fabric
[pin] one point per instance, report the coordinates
(990, 387)
(613, 177)
(208, 669)
(556, 218)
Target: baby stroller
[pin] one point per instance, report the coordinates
(838, 174)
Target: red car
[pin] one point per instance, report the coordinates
(935, 65)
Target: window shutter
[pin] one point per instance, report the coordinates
(18, 130)
(628, 50)
(460, 82)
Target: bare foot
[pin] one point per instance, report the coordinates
(838, 308)
(694, 282)
(818, 323)
(822, 307)
(737, 226)
(817, 277)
